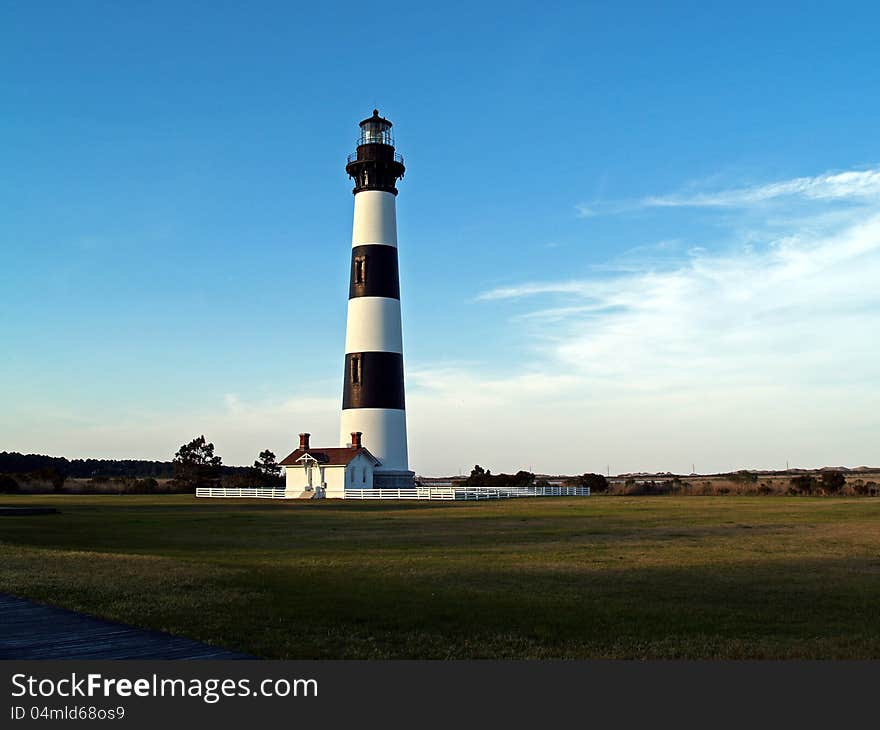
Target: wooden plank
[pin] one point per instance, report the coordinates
(14, 511)
(30, 630)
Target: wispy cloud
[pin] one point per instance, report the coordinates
(853, 185)
(856, 186)
(585, 211)
(726, 308)
(521, 290)
(743, 314)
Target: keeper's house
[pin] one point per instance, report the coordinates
(319, 472)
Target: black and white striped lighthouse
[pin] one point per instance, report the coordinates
(373, 391)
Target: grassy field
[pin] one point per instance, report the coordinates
(626, 577)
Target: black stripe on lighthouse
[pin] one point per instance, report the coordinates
(373, 380)
(374, 272)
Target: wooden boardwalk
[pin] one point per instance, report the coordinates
(31, 630)
(7, 511)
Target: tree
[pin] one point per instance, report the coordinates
(596, 482)
(479, 477)
(266, 468)
(8, 485)
(833, 481)
(485, 478)
(196, 466)
(52, 475)
(803, 483)
(744, 476)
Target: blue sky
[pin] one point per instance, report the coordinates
(632, 236)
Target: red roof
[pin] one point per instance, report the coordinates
(338, 456)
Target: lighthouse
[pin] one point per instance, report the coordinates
(373, 402)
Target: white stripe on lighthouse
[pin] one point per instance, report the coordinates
(375, 218)
(373, 325)
(387, 429)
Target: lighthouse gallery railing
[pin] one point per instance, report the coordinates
(354, 155)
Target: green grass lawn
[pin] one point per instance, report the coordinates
(695, 577)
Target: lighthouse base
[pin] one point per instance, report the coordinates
(394, 479)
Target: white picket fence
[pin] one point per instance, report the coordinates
(239, 492)
(424, 493)
(416, 493)
(466, 493)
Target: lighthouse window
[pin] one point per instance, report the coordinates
(356, 370)
(360, 270)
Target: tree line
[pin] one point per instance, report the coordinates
(480, 477)
(12, 462)
(194, 465)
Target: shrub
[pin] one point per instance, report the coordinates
(118, 485)
(8, 485)
(803, 484)
(765, 489)
(243, 480)
(138, 486)
(484, 478)
(51, 475)
(596, 482)
(833, 482)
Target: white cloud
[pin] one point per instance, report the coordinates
(852, 185)
(521, 290)
(747, 312)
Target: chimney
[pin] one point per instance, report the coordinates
(304, 441)
(356, 439)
